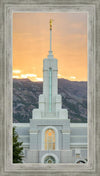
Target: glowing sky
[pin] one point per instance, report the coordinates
(31, 44)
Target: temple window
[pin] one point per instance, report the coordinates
(49, 139)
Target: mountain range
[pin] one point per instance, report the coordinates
(26, 96)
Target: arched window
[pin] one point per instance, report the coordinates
(49, 160)
(49, 139)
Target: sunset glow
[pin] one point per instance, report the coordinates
(16, 71)
(31, 44)
(32, 77)
(72, 77)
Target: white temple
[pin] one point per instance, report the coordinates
(50, 137)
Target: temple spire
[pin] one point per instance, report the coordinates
(50, 51)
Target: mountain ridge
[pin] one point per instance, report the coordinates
(26, 96)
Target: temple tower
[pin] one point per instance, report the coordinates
(50, 103)
(50, 126)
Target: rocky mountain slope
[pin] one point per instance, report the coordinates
(26, 95)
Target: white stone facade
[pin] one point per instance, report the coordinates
(50, 95)
(72, 140)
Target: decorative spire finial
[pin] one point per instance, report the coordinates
(51, 24)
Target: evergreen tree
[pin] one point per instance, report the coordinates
(17, 148)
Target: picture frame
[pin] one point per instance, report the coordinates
(7, 8)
